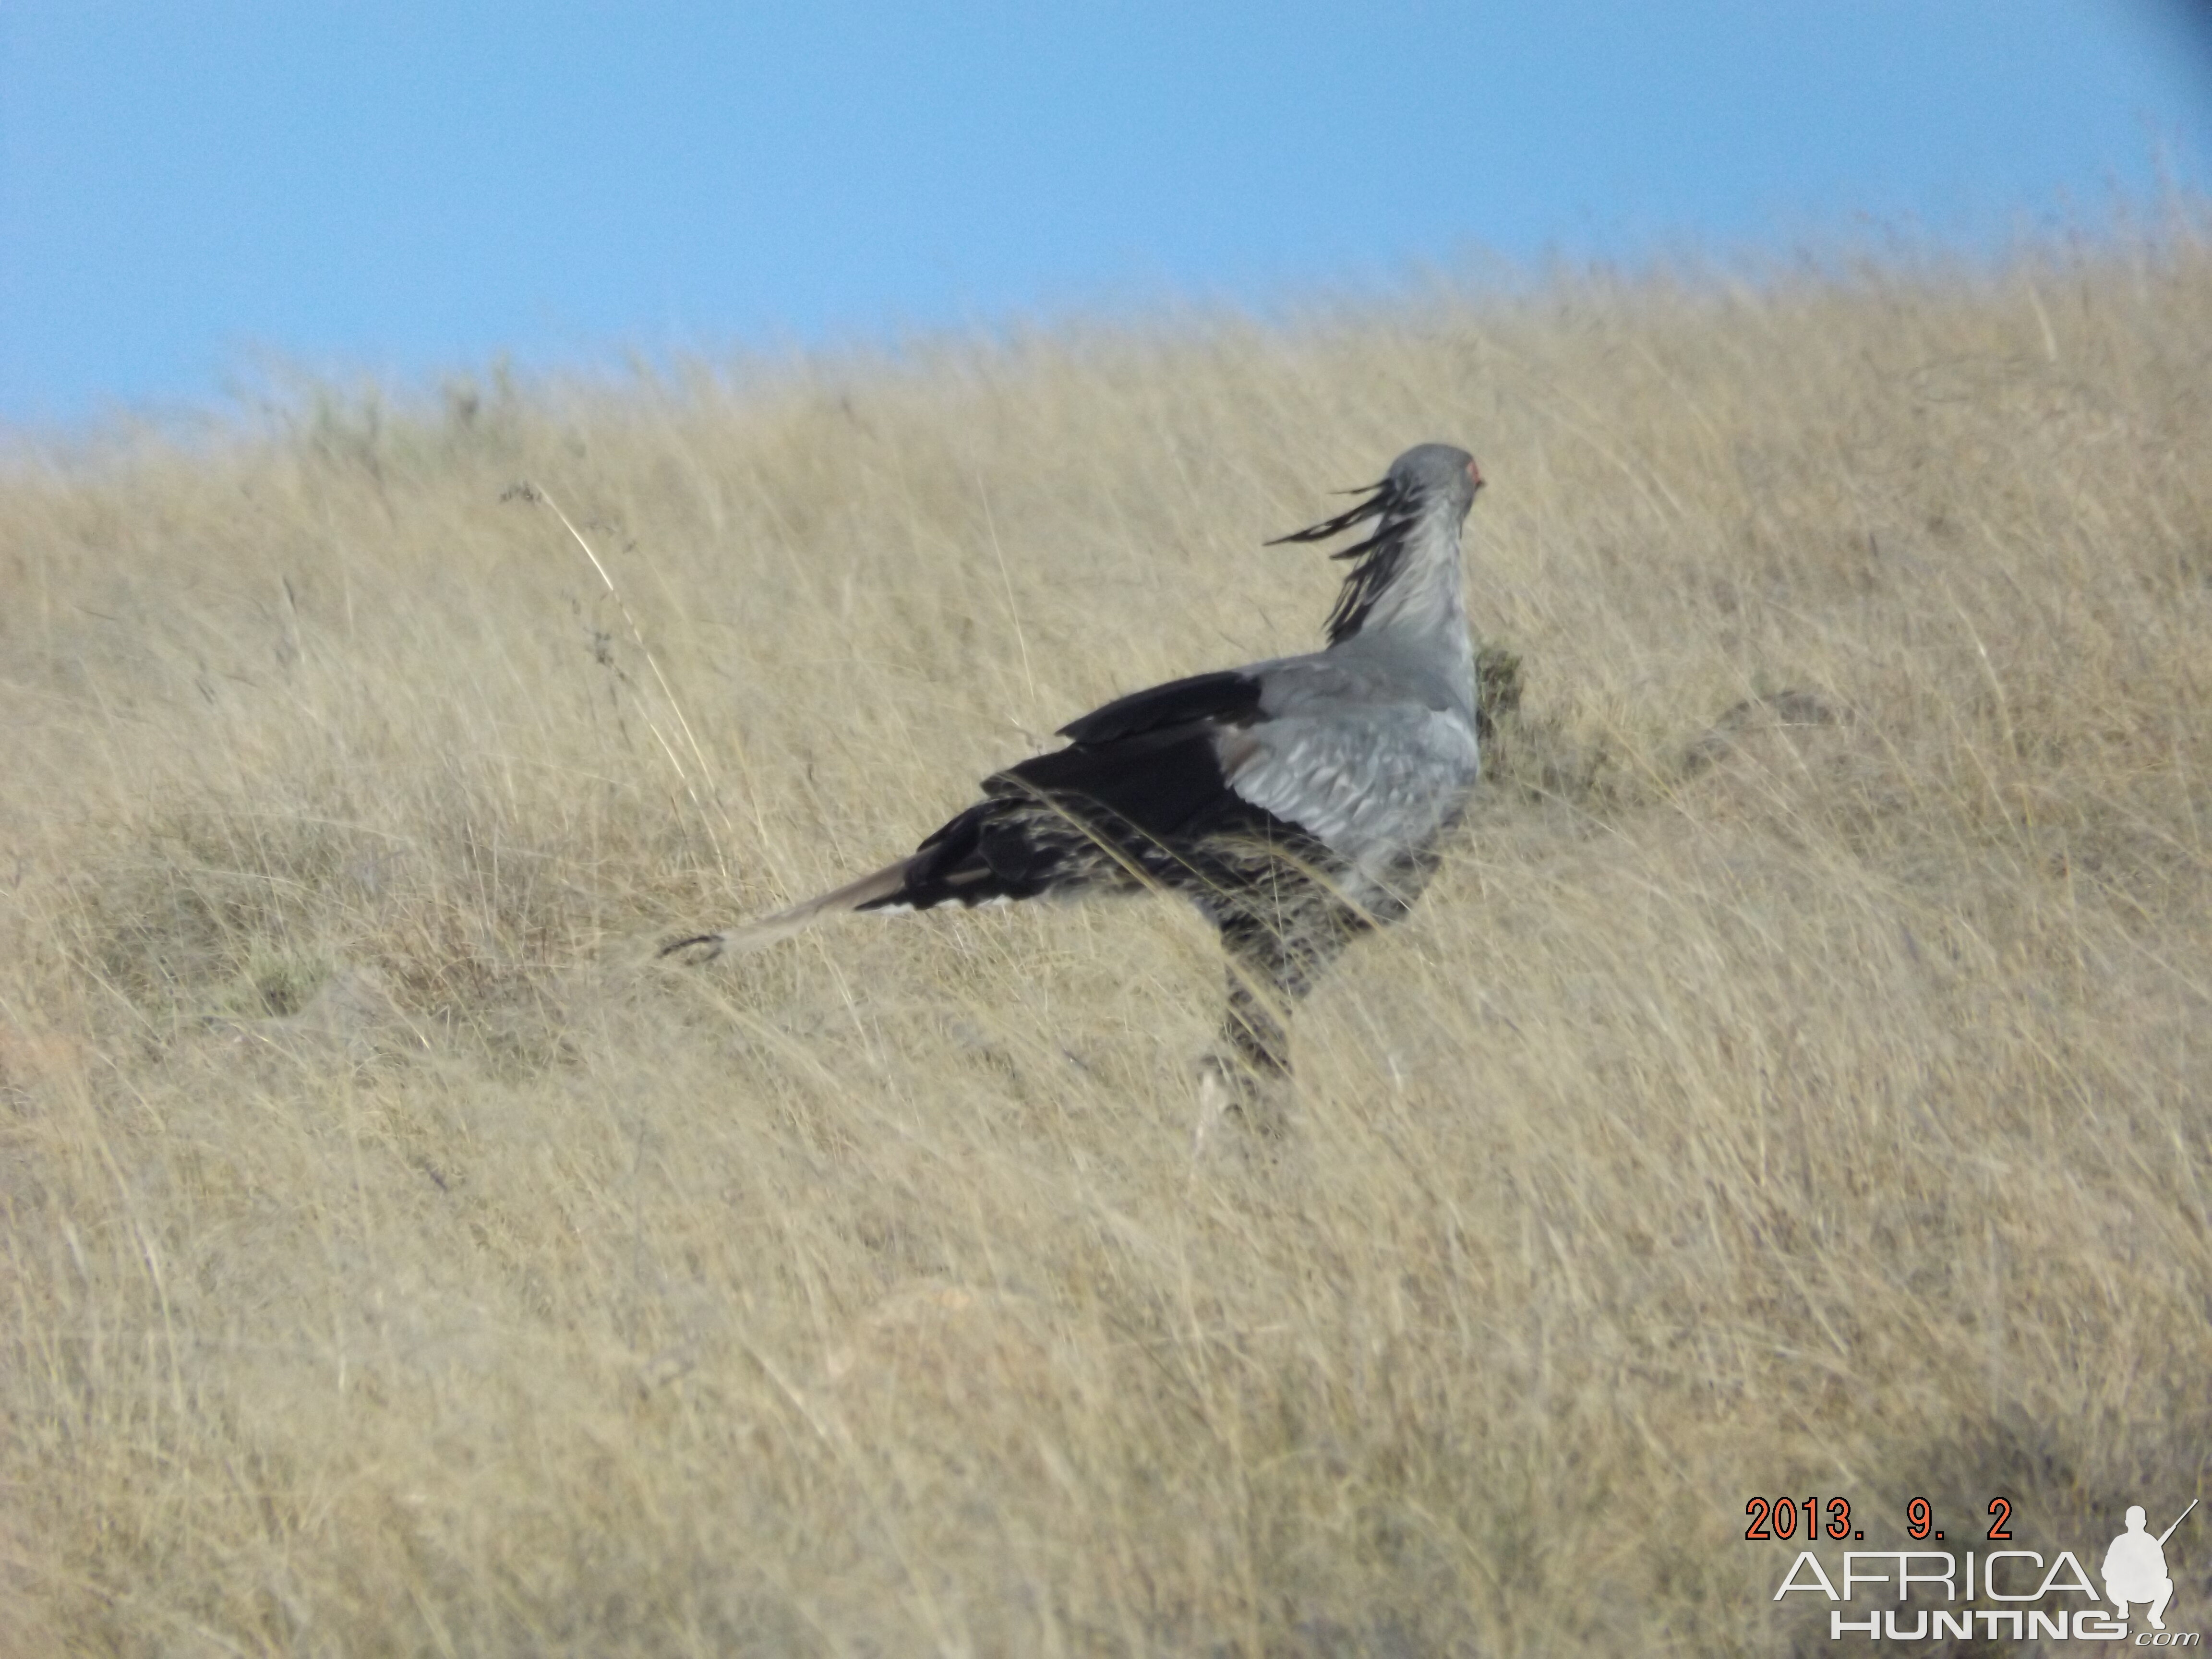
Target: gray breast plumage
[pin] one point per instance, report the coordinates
(1355, 757)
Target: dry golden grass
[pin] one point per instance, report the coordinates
(1754, 1106)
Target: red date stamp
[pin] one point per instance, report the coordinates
(1774, 1518)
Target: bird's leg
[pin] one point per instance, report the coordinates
(1271, 966)
(1247, 1078)
(1255, 1031)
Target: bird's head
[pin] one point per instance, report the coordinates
(1428, 479)
(1432, 474)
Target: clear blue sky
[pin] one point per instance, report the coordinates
(407, 188)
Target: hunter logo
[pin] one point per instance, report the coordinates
(2135, 1567)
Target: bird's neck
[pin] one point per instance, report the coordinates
(1420, 619)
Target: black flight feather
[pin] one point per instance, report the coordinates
(1141, 777)
(1230, 696)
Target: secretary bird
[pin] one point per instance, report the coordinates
(1297, 802)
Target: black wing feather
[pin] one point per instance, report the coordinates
(1158, 783)
(1229, 695)
(1141, 775)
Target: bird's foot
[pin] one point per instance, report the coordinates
(1235, 1099)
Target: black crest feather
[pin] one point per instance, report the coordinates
(1379, 557)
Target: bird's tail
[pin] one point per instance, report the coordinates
(771, 930)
